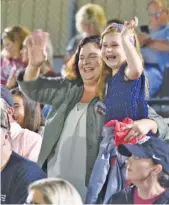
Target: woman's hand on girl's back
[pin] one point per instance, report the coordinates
(140, 128)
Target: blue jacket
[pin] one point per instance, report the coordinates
(105, 179)
(126, 197)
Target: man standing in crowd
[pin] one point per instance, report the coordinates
(16, 172)
(24, 142)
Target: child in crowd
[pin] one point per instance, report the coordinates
(11, 59)
(27, 113)
(123, 71)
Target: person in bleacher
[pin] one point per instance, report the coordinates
(16, 172)
(155, 45)
(147, 170)
(25, 142)
(90, 20)
(53, 191)
(11, 60)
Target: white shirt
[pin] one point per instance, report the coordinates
(69, 160)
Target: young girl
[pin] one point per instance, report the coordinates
(11, 59)
(27, 112)
(123, 71)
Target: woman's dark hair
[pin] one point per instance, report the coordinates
(72, 70)
(33, 115)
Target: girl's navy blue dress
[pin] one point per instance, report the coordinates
(125, 98)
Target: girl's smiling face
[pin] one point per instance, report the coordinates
(112, 50)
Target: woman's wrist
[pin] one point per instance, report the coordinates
(125, 37)
(128, 40)
(31, 73)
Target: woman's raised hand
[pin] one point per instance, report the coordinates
(36, 44)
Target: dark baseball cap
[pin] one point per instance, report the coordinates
(6, 95)
(150, 147)
(4, 120)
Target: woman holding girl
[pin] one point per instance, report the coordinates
(73, 99)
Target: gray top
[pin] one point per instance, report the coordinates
(69, 160)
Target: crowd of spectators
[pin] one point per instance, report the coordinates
(87, 134)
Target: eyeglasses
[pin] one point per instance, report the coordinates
(88, 58)
(156, 13)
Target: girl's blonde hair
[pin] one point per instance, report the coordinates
(91, 14)
(56, 191)
(105, 70)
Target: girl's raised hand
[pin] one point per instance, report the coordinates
(129, 27)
